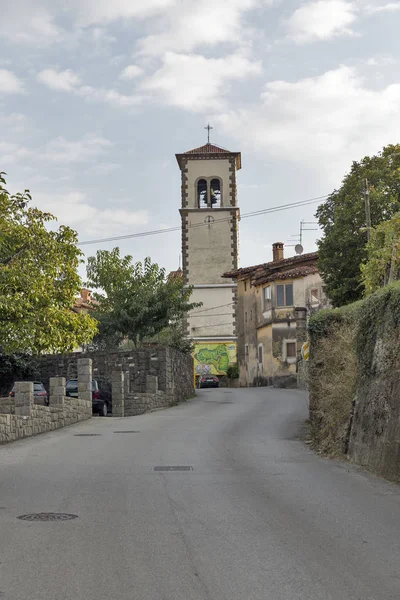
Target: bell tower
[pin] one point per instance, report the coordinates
(210, 227)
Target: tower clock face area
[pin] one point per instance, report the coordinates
(210, 225)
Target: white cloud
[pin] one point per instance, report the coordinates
(25, 21)
(67, 81)
(87, 149)
(196, 83)
(14, 122)
(58, 151)
(321, 20)
(77, 210)
(322, 123)
(381, 61)
(130, 72)
(88, 12)
(205, 22)
(59, 80)
(9, 83)
(379, 8)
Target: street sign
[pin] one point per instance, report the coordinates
(305, 351)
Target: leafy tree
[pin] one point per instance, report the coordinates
(383, 252)
(138, 300)
(38, 280)
(342, 249)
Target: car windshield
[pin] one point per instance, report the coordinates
(38, 387)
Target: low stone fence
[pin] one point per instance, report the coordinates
(20, 417)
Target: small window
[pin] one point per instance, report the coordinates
(245, 286)
(267, 297)
(215, 193)
(284, 294)
(202, 196)
(291, 350)
(251, 315)
(246, 350)
(245, 317)
(260, 354)
(315, 296)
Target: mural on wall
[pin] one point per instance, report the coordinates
(214, 359)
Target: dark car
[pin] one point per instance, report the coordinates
(40, 396)
(101, 399)
(207, 381)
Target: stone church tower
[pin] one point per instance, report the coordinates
(210, 227)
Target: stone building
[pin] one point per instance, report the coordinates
(210, 225)
(274, 301)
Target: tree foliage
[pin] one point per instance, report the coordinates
(38, 280)
(342, 249)
(137, 300)
(383, 255)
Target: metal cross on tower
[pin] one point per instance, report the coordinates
(209, 128)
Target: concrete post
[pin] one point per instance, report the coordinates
(118, 393)
(85, 379)
(23, 398)
(57, 391)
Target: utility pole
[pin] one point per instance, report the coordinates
(367, 208)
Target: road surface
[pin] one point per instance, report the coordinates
(260, 517)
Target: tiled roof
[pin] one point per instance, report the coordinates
(173, 274)
(209, 149)
(300, 271)
(295, 266)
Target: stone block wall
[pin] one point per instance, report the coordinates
(20, 417)
(173, 370)
(43, 419)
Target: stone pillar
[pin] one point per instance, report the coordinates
(118, 393)
(23, 398)
(301, 328)
(85, 379)
(151, 384)
(57, 391)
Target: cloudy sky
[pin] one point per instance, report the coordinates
(97, 96)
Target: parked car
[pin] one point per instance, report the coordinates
(101, 399)
(40, 396)
(207, 381)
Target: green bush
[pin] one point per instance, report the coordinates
(232, 371)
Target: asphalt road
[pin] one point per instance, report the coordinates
(259, 517)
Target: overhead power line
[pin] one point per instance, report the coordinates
(197, 312)
(273, 209)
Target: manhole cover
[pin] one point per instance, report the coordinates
(48, 517)
(173, 469)
(127, 431)
(86, 434)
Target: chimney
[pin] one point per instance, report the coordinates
(86, 295)
(277, 251)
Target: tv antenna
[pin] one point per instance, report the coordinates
(298, 238)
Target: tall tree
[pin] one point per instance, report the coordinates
(39, 280)
(342, 249)
(137, 300)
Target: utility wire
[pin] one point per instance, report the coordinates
(273, 209)
(212, 308)
(215, 325)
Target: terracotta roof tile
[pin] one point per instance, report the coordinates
(300, 271)
(209, 149)
(263, 272)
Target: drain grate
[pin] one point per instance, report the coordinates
(172, 468)
(127, 431)
(86, 434)
(48, 517)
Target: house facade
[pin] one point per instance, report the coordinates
(274, 302)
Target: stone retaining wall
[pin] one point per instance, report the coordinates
(43, 419)
(20, 417)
